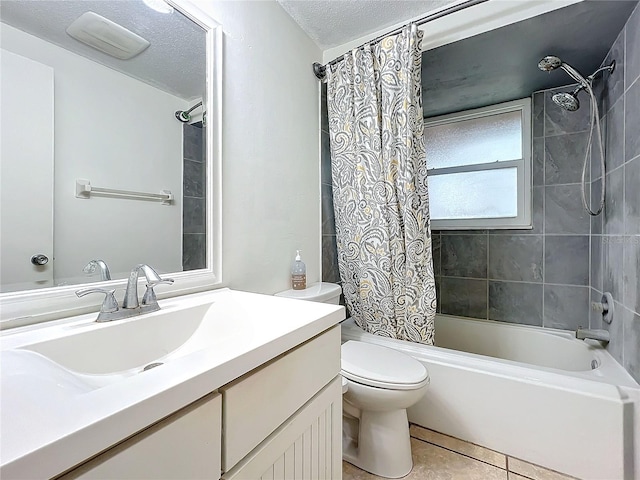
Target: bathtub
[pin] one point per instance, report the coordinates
(536, 394)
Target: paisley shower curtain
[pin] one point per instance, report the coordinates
(380, 196)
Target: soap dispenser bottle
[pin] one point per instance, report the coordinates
(298, 273)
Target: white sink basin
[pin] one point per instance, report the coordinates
(101, 354)
(125, 347)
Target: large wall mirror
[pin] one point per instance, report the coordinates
(110, 133)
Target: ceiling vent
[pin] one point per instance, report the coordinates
(107, 36)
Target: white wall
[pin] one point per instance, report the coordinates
(117, 132)
(270, 142)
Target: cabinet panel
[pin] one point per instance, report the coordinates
(257, 403)
(311, 441)
(185, 445)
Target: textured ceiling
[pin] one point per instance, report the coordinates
(330, 23)
(493, 67)
(175, 61)
(502, 64)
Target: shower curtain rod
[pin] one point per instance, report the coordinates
(319, 70)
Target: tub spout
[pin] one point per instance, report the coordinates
(600, 335)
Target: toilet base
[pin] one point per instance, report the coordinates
(383, 445)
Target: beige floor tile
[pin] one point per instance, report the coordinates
(515, 476)
(431, 462)
(460, 446)
(436, 463)
(534, 471)
(349, 472)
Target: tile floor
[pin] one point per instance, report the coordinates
(440, 457)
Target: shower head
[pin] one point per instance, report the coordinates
(548, 63)
(551, 62)
(566, 100)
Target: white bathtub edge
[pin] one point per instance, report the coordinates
(590, 419)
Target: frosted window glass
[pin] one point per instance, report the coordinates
(481, 194)
(494, 138)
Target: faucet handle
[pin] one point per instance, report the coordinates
(149, 297)
(109, 305)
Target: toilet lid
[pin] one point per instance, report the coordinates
(380, 366)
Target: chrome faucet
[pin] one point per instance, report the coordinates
(131, 307)
(600, 335)
(130, 300)
(100, 265)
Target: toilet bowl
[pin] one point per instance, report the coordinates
(381, 383)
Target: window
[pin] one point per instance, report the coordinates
(479, 167)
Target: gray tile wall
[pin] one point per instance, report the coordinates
(194, 236)
(533, 277)
(330, 271)
(615, 235)
(548, 276)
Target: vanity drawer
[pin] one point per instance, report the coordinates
(256, 404)
(184, 445)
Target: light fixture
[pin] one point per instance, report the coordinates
(107, 36)
(159, 6)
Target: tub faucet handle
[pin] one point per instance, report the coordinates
(604, 306)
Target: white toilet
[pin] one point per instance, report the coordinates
(381, 384)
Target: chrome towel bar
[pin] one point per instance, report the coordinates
(84, 189)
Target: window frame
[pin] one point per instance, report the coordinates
(524, 169)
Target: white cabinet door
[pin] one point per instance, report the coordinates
(257, 403)
(186, 445)
(26, 172)
(308, 446)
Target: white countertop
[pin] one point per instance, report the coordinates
(46, 429)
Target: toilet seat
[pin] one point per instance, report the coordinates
(381, 367)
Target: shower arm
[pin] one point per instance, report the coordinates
(579, 88)
(610, 67)
(585, 82)
(573, 73)
(199, 104)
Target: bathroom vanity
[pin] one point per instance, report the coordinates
(247, 386)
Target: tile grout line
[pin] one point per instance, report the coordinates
(487, 274)
(490, 279)
(544, 203)
(439, 304)
(565, 133)
(624, 182)
(532, 235)
(590, 241)
(463, 454)
(627, 88)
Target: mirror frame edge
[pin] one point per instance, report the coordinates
(29, 307)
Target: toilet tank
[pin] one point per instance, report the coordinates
(318, 292)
